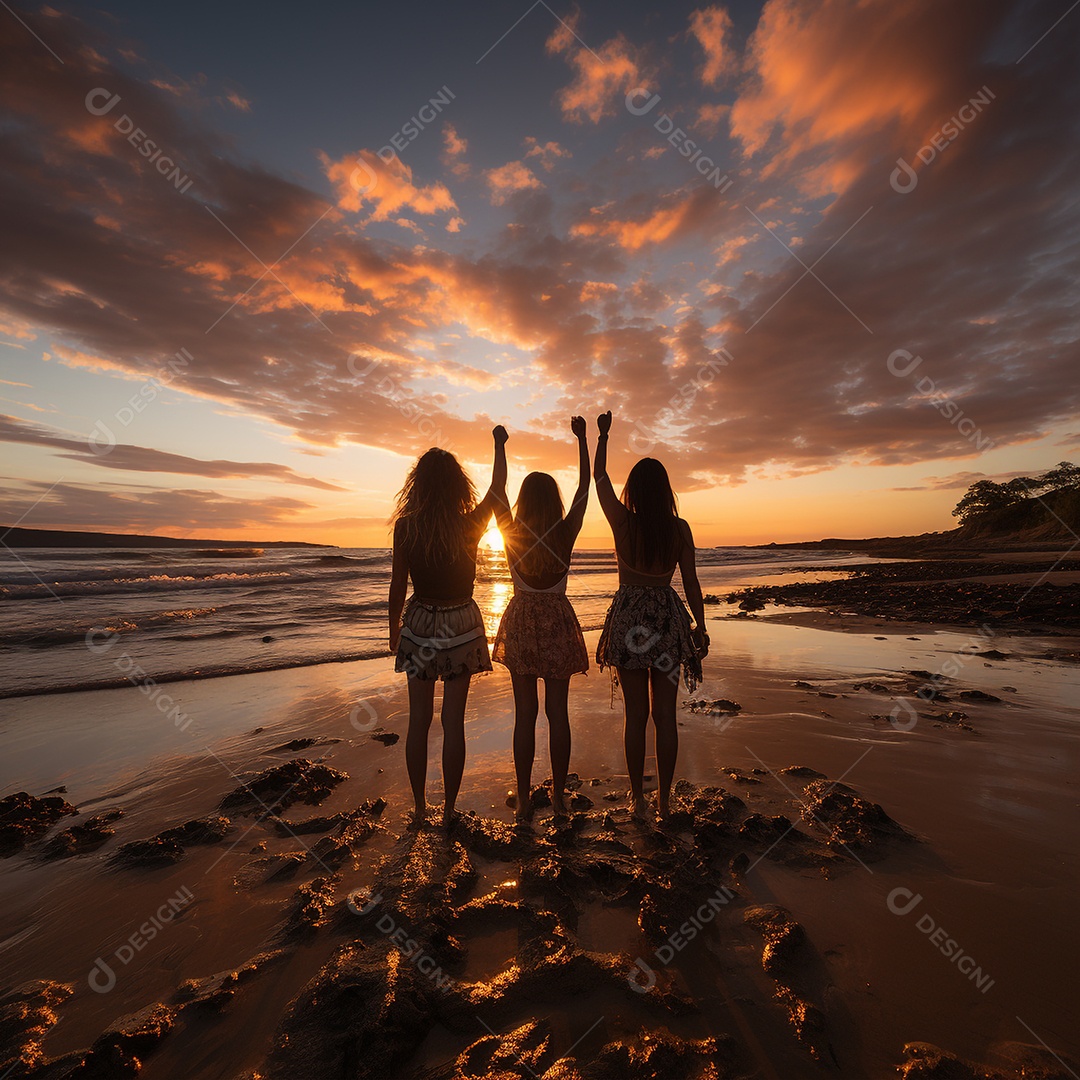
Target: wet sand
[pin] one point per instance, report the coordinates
(516, 950)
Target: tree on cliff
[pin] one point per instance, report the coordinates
(985, 496)
(1066, 475)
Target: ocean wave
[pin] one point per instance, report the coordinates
(45, 636)
(349, 560)
(106, 586)
(225, 553)
(723, 555)
(343, 609)
(85, 555)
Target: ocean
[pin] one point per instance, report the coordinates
(93, 618)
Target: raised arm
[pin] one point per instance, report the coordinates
(576, 514)
(504, 519)
(496, 493)
(692, 588)
(614, 510)
(399, 584)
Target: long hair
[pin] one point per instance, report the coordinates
(654, 514)
(431, 505)
(539, 531)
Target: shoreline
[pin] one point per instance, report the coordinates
(937, 781)
(932, 546)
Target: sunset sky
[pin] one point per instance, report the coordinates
(194, 194)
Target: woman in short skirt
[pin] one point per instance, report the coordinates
(648, 638)
(539, 636)
(440, 634)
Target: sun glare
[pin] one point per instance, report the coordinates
(492, 540)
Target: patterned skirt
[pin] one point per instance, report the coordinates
(648, 626)
(441, 641)
(540, 635)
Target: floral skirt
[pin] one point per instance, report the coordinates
(648, 626)
(540, 635)
(441, 641)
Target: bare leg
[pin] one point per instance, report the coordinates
(455, 696)
(635, 692)
(526, 707)
(421, 709)
(556, 697)
(665, 691)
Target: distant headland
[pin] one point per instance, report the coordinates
(16, 537)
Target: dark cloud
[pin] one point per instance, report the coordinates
(100, 450)
(108, 507)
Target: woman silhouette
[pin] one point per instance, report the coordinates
(539, 636)
(437, 528)
(647, 635)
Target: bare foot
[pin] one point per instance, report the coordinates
(558, 807)
(450, 817)
(523, 807)
(639, 808)
(417, 819)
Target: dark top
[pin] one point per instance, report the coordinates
(445, 581)
(620, 520)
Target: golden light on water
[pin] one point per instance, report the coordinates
(493, 610)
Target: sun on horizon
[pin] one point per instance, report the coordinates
(492, 540)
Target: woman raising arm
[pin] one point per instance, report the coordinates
(440, 634)
(647, 635)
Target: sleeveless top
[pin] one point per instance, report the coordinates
(521, 586)
(445, 581)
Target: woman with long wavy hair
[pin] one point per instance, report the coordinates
(539, 636)
(647, 635)
(440, 635)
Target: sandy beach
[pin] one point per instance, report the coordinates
(782, 926)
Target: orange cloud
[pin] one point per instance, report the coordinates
(455, 144)
(508, 178)
(548, 152)
(729, 250)
(711, 27)
(238, 101)
(709, 117)
(601, 78)
(594, 290)
(364, 178)
(830, 74)
(634, 233)
(454, 149)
